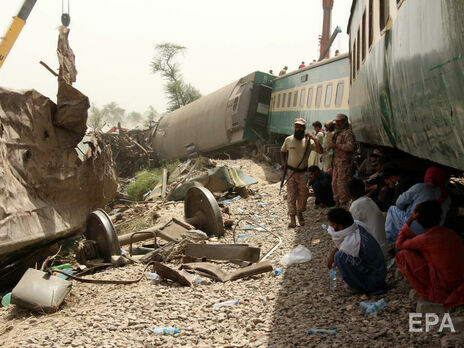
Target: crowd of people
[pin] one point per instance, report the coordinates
(379, 211)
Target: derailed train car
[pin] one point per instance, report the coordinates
(407, 77)
(316, 93)
(232, 115)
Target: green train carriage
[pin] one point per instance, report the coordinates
(407, 77)
(315, 93)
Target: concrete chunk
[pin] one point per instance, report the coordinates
(423, 306)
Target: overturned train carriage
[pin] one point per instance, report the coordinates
(232, 115)
(407, 77)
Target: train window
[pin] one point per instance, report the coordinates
(289, 99)
(234, 108)
(383, 14)
(295, 99)
(371, 22)
(304, 78)
(358, 56)
(328, 95)
(317, 104)
(310, 97)
(283, 100)
(339, 95)
(302, 97)
(278, 101)
(363, 41)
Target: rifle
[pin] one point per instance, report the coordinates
(282, 180)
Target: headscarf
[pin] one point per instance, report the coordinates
(435, 177)
(347, 240)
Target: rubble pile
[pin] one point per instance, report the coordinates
(275, 308)
(131, 150)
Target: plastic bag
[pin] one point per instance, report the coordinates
(299, 254)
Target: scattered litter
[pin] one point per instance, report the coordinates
(236, 198)
(152, 276)
(65, 268)
(273, 216)
(225, 304)
(226, 202)
(261, 204)
(316, 241)
(6, 300)
(241, 211)
(278, 271)
(333, 278)
(371, 308)
(299, 254)
(324, 227)
(213, 239)
(169, 330)
(333, 331)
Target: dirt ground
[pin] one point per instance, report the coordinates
(272, 310)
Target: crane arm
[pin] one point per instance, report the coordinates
(15, 28)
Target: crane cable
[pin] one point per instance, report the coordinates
(65, 17)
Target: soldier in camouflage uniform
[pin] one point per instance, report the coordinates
(343, 145)
(294, 153)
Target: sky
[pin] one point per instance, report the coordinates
(114, 42)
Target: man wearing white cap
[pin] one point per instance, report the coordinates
(294, 156)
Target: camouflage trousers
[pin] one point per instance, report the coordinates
(340, 179)
(297, 192)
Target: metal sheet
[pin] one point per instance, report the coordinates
(223, 252)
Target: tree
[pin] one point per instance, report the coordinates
(178, 91)
(113, 113)
(151, 116)
(96, 117)
(135, 118)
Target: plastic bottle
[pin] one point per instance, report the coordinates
(333, 278)
(225, 304)
(333, 331)
(197, 280)
(278, 271)
(152, 276)
(241, 211)
(371, 308)
(168, 330)
(324, 227)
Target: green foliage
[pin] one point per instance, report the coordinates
(179, 92)
(147, 180)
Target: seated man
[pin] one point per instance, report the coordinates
(357, 254)
(365, 211)
(433, 188)
(322, 186)
(433, 262)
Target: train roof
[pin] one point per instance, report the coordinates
(315, 65)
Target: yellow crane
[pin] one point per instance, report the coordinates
(17, 24)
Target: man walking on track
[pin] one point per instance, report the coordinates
(294, 156)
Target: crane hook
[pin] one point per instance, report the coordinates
(65, 17)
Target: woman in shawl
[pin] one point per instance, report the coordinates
(432, 189)
(357, 255)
